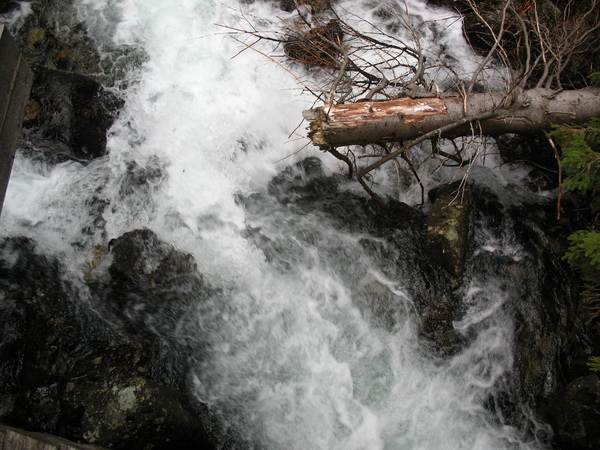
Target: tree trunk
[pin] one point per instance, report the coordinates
(402, 119)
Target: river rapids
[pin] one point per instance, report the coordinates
(287, 350)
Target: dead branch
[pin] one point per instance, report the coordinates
(353, 67)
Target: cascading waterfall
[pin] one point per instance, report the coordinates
(289, 353)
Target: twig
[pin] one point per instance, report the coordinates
(560, 173)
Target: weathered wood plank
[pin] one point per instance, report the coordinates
(15, 83)
(16, 439)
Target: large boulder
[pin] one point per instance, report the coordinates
(151, 287)
(38, 332)
(127, 412)
(142, 261)
(390, 233)
(574, 412)
(67, 117)
(68, 368)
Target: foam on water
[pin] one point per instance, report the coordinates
(293, 363)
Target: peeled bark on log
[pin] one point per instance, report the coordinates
(401, 119)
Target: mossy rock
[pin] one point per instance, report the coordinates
(132, 413)
(448, 229)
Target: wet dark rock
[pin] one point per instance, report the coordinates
(541, 180)
(8, 6)
(436, 321)
(536, 151)
(305, 186)
(43, 332)
(152, 285)
(396, 215)
(448, 224)
(574, 412)
(390, 232)
(142, 180)
(305, 179)
(38, 408)
(285, 5)
(141, 260)
(37, 314)
(110, 399)
(149, 288)
(67, 117)
(131, 411)
(51, 37)
(540, 292)
(377, 302)
(69, 372)
(317, 6)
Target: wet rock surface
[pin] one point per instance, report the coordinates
(67, 117)
(128, 411)
(52, 37)
(390, 232)
(8, 6)
(151, 288)
(66, 370)
(551, 338)
(70, 110)
(574, 412)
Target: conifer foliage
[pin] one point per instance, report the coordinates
(581, 164)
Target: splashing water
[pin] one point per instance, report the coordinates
(293, 362)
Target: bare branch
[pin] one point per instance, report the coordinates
(526, 48)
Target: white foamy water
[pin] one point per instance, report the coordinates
(293, 362)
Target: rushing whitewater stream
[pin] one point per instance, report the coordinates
(288, 350)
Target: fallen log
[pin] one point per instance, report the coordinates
(526, 112)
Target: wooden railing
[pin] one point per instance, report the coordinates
(15, 82)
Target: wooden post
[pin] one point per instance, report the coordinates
(15, 83)
(15, 438)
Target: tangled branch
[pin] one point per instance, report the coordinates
(341, 58)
